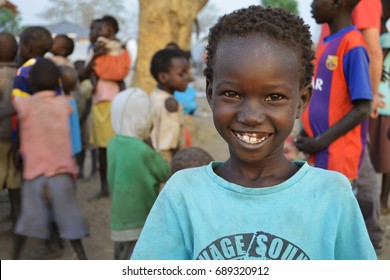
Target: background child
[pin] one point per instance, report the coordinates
(48, 191)
(9, 174)
(34, 42)
(336, 119)
(186, 98)
(170, 69)
(110, 70)
(62, 48)
(379, 144)
(257, 204)
(135, 170)
(83, 97)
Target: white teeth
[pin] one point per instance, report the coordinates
(250, 138)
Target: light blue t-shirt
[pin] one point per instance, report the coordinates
(199, 215)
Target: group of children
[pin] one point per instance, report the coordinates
(257, 204)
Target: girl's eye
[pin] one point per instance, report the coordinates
(231, 94)
(274, 97)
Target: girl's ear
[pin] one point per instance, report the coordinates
(162, 77)
(304, 99)
(209, 92)
(336, 3)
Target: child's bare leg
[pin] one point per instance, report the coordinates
(19, 241)
(124, 250)
(385, 190)
(78, 248)
(14, 196)
(80, 157)
(94, 161)
(103, 171)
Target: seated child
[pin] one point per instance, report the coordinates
(62, 48)
(48, 191)
(257, 204)
(135, 170)
(170, 69)
(9, 175)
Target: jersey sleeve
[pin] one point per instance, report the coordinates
(21, 88)
(162, 237)
(357, 74)
(352, 240)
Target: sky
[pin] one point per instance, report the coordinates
(30, 8)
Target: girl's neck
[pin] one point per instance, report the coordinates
(339, 23)
(165, 88)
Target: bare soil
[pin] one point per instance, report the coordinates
(98, 245)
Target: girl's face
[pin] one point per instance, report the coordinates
(255, 97)
(106, 31)
(57, 48)
(178, 76)
(94, 31)
(321, 10)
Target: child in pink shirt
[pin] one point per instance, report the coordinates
(48, 191)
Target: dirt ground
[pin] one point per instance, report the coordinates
(98, 245)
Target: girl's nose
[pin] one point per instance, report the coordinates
(251, 113)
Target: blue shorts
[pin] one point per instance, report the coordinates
(50, 199)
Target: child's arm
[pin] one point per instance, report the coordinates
(359, 113)
(388, 133)
(99, 50)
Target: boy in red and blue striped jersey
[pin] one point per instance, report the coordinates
(335, 122)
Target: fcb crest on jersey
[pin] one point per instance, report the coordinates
(332, 62)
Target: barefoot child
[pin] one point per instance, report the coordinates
(48, 191)
(257, 204)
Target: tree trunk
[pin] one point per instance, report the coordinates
(162, 22)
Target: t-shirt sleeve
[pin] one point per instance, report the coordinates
(352, 240)
(160, 167)
(356, 71)
(162, 236)
(367, 14)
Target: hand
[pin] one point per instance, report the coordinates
(309, 145)
(99, 49)
(377, 102)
